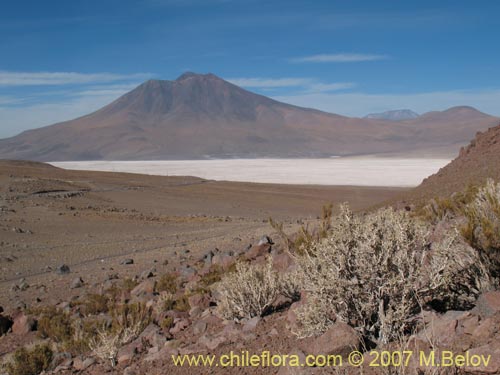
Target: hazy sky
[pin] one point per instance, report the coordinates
(61, 59)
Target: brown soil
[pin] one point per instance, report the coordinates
(476, 162)
(91, 221)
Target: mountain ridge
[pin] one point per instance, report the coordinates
(476, 162)
(394, 115)
(201, 116)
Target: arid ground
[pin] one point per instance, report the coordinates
(92, 221)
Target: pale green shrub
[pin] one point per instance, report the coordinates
(251, 290)
(372, 272)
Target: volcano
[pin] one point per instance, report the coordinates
(199, 116)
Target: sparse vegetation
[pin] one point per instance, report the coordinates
(168, 301)
(167, 323)
(167, 283)
(371, 270)
(94, 304)
(251, 290)
(305, 237)
(447, 208)
(482, 229)
(128, 323)
(55, 324)
(30, 361)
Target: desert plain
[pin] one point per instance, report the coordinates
(94, 222)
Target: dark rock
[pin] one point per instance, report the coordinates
(127, 261)
(147, 274)
(265, 240)
(5, 324)
(63, 269)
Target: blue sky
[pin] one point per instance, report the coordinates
(61, 59)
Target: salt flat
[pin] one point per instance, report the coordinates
(359, 171)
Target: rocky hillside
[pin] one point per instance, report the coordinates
(476, 162)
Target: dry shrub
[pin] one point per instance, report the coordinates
(128, 323)
(94, 304)
(67, 333)
(168, 301)
(167, 283)
(250, 291)
(55, 324)
(305, 237)
(447, 208)
(105, 345)
(30, 362)
(482, 229)
(370, 272)
(453, 275)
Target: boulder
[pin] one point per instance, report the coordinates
(5, 324)
(199, 300)
(152, 335)
(491, 352)
(199, 327)
(251, 324)
(258, 251)
(265, 240)
(211, 342)
(80, 364)
(129, 371)
(76, 283)
(295, 370)
(23, 324)
(282, 262)
(488, 304)
(179, 325)
(339, 339)
(146, 287)
(126, 353)
(223, 260)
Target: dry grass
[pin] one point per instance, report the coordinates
(482, 229)
(30, 362)
(305, 237)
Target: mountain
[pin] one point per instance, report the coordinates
(203, 116)
(396, 115)
(475, 163)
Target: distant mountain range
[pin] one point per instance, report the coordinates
(203, 116)
(396, 115)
